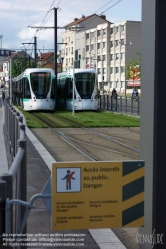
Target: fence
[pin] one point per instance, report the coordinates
(14, 182)
(120, 104)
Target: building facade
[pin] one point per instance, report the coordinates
(73, 39)
(107, 47)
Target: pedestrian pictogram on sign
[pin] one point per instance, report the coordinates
(68, 180)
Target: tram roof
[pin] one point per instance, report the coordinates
(77, 70)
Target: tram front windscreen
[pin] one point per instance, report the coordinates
(40, 83)
(85, 83)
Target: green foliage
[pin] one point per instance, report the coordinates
(101, 119)
(65, 119)
(18, 66)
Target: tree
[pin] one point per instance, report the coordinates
(134, 70)
(18, 66)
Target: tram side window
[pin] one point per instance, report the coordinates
(53, 89)
(69, 84)
(26, 89)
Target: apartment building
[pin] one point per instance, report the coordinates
(125, 44)
(73, 38)
(107, 47)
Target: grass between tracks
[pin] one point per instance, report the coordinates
(65, 119)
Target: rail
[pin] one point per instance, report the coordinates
(13, 182)
(119, 104)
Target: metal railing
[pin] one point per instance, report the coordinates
(120, 104)
(13, 182)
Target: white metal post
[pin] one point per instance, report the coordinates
(10, 81)
(73, 86)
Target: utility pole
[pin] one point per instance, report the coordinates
(35, 49)
(55, 43)
(55, 47)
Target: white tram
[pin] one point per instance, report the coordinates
(85, 89)
(34, 89)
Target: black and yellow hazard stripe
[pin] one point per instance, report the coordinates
(133, 194)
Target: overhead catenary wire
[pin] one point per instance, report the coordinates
(112, 6)
(44, 19)
(103, 6)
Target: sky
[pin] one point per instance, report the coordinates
(17, 15)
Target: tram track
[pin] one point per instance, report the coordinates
(97, 146)
(89, 143)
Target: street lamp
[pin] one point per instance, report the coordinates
(130, 43)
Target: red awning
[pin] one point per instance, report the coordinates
(133, 83)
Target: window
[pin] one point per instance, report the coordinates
(121, 84)
(111, 44)
(111, 31)
(116, 43)
(104, 31)
(122, 41)
(103, 44)
(87, 36)
(92, 47)
(26, 88)
(122, 56)
(117, 56)
(98, 58)
(116, 29)
(72, 50)
(104, 70)
(98, 45)
(68, 39)
(98, 32)
(116, 69)
(111, 57)
(40, 83)
(111, 70)
(121, 28)
(87, 48)
(92, 35)
(122, 69)
(104, 57)
(66, 51)
(99, 70)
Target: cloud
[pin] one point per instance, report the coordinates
(17, 15)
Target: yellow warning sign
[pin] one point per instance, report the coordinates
(97, 195)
